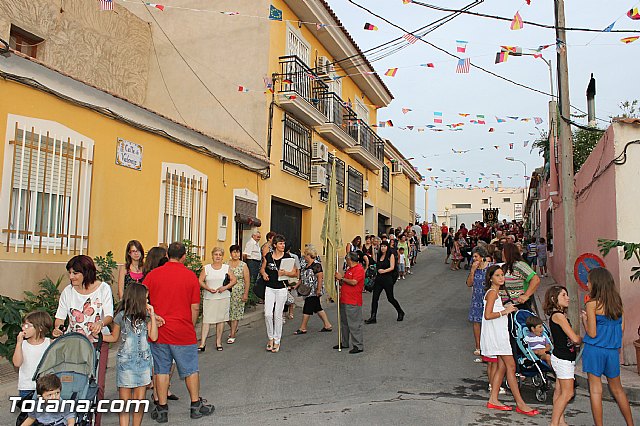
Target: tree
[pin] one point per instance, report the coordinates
(629, 109)
(584, 140)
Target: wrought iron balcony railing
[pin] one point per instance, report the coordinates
(370, 141)
(297, 79)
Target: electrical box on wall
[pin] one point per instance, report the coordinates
(222, 227)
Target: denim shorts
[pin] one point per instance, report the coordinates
(185, 356)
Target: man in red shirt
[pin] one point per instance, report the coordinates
(174, 291)
(425, 233)
(445, 231)
(351, 287)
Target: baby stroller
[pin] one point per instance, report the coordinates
(73, 358)
(528, 364)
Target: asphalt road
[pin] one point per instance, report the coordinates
(416, 372)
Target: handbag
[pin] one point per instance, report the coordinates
(290, 299)
(259, 287)
(303, 289)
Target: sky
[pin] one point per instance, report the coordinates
(427, 90)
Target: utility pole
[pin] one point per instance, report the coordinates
(566, 161)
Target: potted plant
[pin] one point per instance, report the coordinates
(630, 250)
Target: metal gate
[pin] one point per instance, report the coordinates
(287, 220)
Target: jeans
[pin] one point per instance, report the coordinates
(274, 300)
(387, 285)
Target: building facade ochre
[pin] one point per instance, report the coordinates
(209, 171)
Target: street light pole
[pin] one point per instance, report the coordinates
(566, 161)
(524, 190)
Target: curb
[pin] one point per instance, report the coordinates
(633, 393)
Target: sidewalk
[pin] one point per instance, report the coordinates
(628, 373)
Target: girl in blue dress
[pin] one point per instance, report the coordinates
(603, 322)
(476, 280)
(135, 321)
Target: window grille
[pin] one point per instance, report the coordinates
(183, 206)
(462, 206)
(354, 197)
(296, 149)
(49, 191)
(340, 176)
(385, 178)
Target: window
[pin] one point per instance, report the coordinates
(296, 150)
(362, 111)
(340, 170)
(385, 178)
(485, 201)
(335, 86)
(506, 200)
(183, 206)
(462, 206)
(354, 191)
(49, 189)
(24, 42)
(297, 45)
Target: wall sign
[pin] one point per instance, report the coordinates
(517, 211)
(583, 265)
(129, 154)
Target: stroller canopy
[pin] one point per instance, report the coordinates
(70, 352)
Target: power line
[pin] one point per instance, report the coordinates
(202, 82)
(502, 18)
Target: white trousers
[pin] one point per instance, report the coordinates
(274, 300)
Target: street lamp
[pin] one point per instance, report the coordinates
(524, 200)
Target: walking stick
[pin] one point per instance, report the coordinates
(338, 288)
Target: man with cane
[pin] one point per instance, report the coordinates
(351, 287)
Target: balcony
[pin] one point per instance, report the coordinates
(369, 148)
(302, 93)
(342, 127)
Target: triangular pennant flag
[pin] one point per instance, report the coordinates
(628, 40)
(517, 22)
(275, 14)
(406, 1)
(609, 28)
(389, 123)
(500, 120)
(391, 72)
(491, 129)
(370, 27)
(410, 127)
(406, 110)
(526, 143)
(511, 146)
(538, 120)
(512, 117)
(496, 146)
(429, 65)
(463, 115)
(634, 14)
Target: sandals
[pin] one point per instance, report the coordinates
(202, 348)
(231, 340)
(298, 332)
(276, 348)
(326, 330)
(476, 352)
(269, 347)
(219, 348)
(290, 316)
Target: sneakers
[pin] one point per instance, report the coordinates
(160, 414)
(201, 408)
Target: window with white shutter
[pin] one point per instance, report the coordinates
(47, 182)
(297, 45)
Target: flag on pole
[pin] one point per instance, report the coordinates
(410, 38)
(331, 234)
(370, 27)
(106, 5)
(391, 72)
(461, 46)
(463, 66)
(628, 40)
(517, 22)
(275, 14)
(437, 117)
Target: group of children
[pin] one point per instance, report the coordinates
(603, 322)
(535, 253)
(134, 323)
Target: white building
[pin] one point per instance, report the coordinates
(462, 205)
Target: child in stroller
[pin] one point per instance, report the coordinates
(537, 341)
(74, 360)
(48, 388)
(528, 363)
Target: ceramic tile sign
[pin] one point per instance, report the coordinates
(129, 154)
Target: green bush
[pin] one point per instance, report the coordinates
(105, 266)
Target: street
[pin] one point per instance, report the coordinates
(419, 371)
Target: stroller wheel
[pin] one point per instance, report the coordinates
(541, 395)
(536, 381)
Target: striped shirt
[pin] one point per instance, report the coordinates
(516, 282)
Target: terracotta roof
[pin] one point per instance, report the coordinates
(346, 33)
(626, 120)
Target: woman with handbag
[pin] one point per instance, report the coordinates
(384, 281)
(275, 291)
(216, 280)
(310, 287)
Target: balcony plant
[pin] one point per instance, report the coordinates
(631, 250)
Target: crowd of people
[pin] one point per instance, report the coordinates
(159, 305)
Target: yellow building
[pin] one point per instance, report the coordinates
(152, 144)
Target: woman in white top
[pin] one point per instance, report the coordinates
(88, 303)
(217, 281)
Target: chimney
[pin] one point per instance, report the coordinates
(499, 185)
(492, 185)
(591, 102)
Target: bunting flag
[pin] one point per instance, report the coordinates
(496, 146)
(543, 47)
(106, 5)
(268, 84)
(410, 127)
(537, 55)
(628, 40)
(481, 119)
(634, 14)
(491, 129)
(230, 13)
(437, 117)
(243, 89)
(517, 22)
(501, 57)
(391, 72)
(463, 115)
(461, 46)
(514, 50)
(538, 120)
(370, 27)
(410, 38)
(463, 66)
(560, 46)
(609, 28)
(512, 117)
(406, 110)
(320, 26)
(429, 65)
(389, 123)
(157, 6)
(406, 1)
(526, 143)
(511, 146)
(275, 14)
(500, 120)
